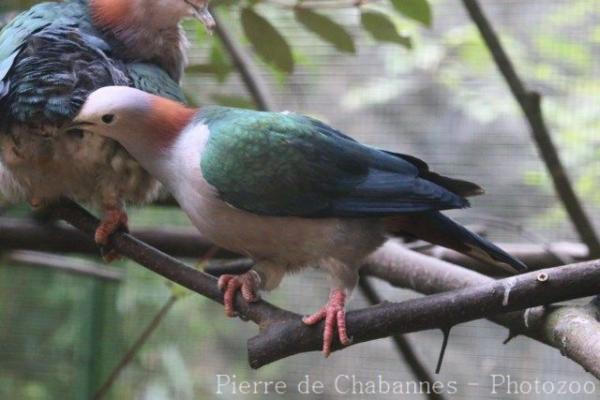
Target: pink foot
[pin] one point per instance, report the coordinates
(113, 220)
(247, 283)
(334, 315)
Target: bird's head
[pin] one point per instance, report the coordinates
(136, 119)
(162, 13)
(181, 9)
(150, 30)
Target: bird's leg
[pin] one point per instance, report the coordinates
(113, 220)
(334, 314)
(247, 283)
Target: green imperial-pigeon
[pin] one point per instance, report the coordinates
(286, 190)
(51, 58)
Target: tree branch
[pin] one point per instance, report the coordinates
(242, 62)
(59, 238)
(282, 333)
(164, 264)
(436, 311)
(403, 345)
(65, 264)
(533, 255)
(406, 269)
(135, 348)
(17, 233)
(530, 103)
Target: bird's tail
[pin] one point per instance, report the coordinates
(436, 228)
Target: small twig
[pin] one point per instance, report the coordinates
(321, 4)
(244, 65)
(403, 345)
(135, 348)
(145, 335)
(446, 337)
(530, 103)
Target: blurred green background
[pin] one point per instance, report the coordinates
(442, 100)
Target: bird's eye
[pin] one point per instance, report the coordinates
(108, 118)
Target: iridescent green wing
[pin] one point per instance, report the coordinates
(283, 164)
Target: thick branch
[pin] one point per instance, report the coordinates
(435, 311)
(283, 334)
(25, 234)
(407, 269)
(530, 103)
(576, 332)
(261, 312)
(32, 235)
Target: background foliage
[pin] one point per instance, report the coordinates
(408, 75)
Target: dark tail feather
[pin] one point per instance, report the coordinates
(436, 228)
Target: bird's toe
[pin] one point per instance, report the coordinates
(247, 284)
(334, 314)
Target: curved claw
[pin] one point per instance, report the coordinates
(334, 314)
(247, 284)
(36, 203)
(109, 255)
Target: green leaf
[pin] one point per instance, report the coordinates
(327, 29)
(382, 29)
(419, 10)
(267, 41)
(219, 64)
(220, 61)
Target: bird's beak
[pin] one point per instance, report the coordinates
(78, 125)
(203, 14)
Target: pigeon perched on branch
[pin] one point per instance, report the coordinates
(51, 57)
(286, 190)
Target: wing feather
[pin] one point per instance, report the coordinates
(291, 165)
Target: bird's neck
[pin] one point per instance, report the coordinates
(164, 142)
(168, 120)
(152, 138)
(142, 33)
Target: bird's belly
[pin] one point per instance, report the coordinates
(290, 241)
